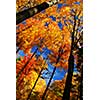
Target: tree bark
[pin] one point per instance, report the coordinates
(34, 84)
(21, 16)
(66, 94)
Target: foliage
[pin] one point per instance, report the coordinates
(28, 77)
(51, 32)
(26, 85)
(57, 88)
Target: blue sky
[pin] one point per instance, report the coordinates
(60, 72)
(20, 53)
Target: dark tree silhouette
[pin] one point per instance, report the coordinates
(74, 44)
(66, 94)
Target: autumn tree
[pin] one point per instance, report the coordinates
(25, 82)
(58, 29)
(44, 66)
(75, 37)
(57, 61)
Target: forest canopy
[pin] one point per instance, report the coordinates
(49, 50)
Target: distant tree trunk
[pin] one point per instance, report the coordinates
(66, 94)
(43, 97)
(34, 84)
(58, 58)
(26, 64)
(21, 16)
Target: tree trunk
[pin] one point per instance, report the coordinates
(43, 97)
(26, 64)
(81, 89)
(81, 85)
(21, 16)
(66, 94)
(58, 58)
(34, 84)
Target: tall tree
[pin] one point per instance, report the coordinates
(60, 52)
(66, 94)
(22, 69)
(75, 36)
(43, 67)
(25, 64)
(21, 16)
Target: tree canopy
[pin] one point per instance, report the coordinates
(49, 42)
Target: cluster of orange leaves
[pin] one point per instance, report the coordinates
(29, 75)
(35, 28)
